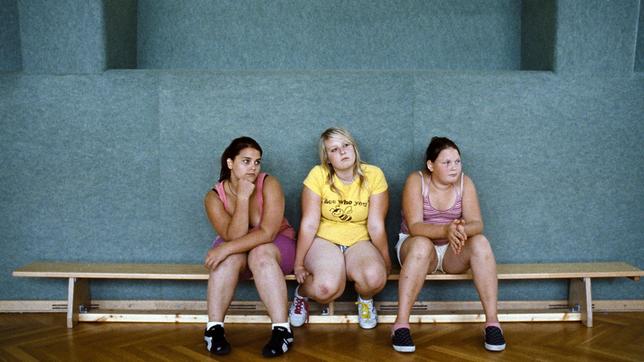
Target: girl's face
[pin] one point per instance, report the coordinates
(246, 165)
(340, 153)
(447, 166)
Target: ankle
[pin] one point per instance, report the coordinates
(397, 326)
(286, 325)
(493, 324)
(211, 324)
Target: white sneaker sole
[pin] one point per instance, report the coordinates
(297, 323)
(368, 326)
(405, 349)
(495, 347)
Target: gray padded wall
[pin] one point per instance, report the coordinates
(333, 34)
(596, 36)
(63, 36)
(113, 166)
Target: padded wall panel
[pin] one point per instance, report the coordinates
(533, 143)
(596, 36)
(546, 156)
(10, 55)
(333, 34)
(79, 159)
(62, 37)
(98, 168)
(201, 114)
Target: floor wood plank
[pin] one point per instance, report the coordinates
(31, 337)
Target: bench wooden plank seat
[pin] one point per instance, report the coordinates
(198, 272)
(79, 300)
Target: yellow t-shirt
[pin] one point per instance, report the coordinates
(344, 216)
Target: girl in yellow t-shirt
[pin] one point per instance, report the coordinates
(342, 233)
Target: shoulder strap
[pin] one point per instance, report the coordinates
(259, 193)
(422, 184)
(221, 192)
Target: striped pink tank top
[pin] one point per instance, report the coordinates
(432, 215)
(285, 229)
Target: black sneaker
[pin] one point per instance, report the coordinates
(401, 340)
(280, 341)
(494, 340)
(215, 340)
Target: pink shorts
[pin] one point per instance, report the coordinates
(286, 247)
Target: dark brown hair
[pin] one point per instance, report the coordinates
(233, 150)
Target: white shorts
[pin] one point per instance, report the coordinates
(440, 252)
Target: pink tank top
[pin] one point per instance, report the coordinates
(432, 215)
(285, 229)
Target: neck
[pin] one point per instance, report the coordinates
(439, 186)
(345, 175)
(232, 186)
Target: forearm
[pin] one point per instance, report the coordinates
(379, 240)
(238, 226)
(473, 227)
(250, 240)
(304, 241)
(431, 231)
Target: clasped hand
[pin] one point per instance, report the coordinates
(456, 235)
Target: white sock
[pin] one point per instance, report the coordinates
(286, 325)
(298, 294)
(364, 300)
(212, 324)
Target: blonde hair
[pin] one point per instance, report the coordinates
(342, 134)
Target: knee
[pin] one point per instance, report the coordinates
(481, 246)
(420, 250)
(374, 278)
(233, 263)
(326, 291)
(260, 258)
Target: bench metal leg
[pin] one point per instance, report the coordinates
(579, 296)
(77, 297)
(327, 309)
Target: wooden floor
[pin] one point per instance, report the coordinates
(43, 337)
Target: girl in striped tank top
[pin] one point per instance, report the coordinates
(441, 231)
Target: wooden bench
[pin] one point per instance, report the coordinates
(79, 307)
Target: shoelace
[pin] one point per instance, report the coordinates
(365, 309)
(299, 304)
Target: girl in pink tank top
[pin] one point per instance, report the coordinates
(246, 209)
(285, 228)
(432, 215)
(441, 210)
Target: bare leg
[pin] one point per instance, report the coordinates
(221, 285)
(366, 268)
(325, 262)
(264, 262)
(477, 253)
(418, 258)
